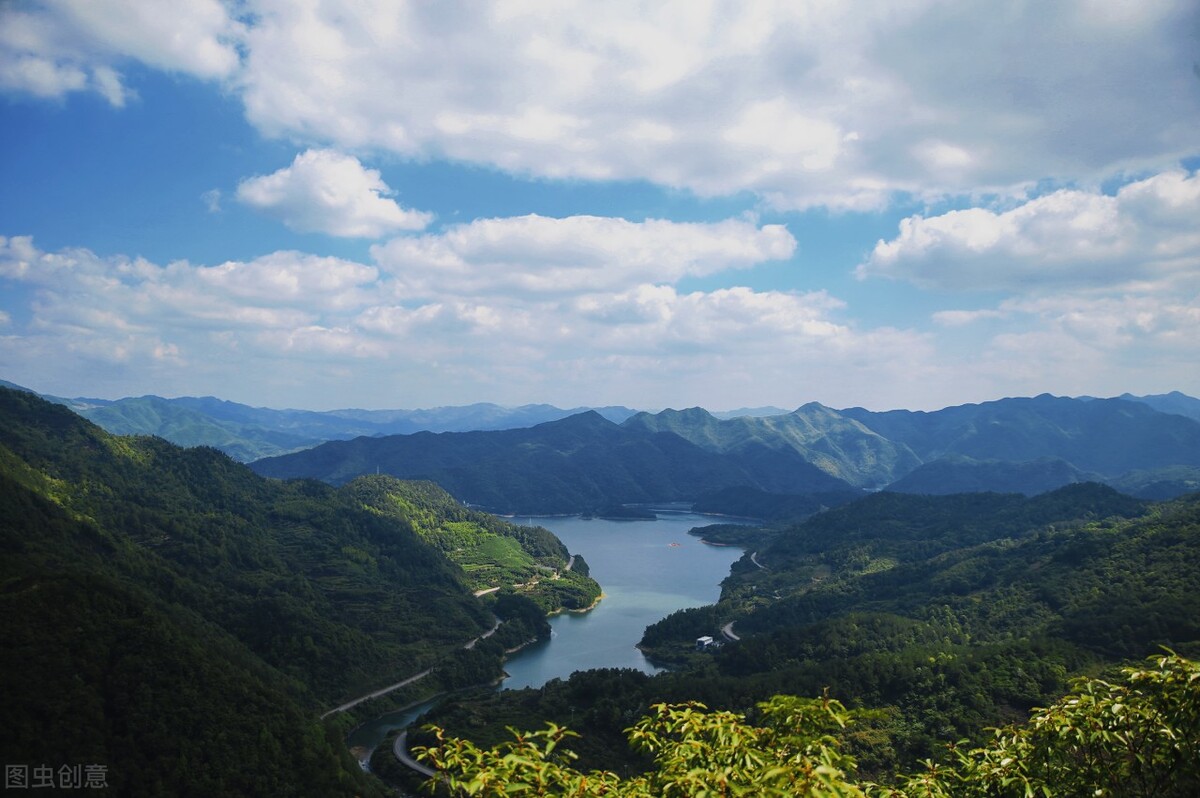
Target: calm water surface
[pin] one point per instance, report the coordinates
(648, 569)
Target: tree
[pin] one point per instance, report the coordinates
(1137, 738)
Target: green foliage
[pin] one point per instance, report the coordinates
(1137, 739)
(578, 464)
(172, 615)
(948, 614)
(1127, 740)
(695, 753)
(493, 553)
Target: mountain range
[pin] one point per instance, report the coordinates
(540, 458)
(248, 433)
(581, 463)
(1024, 445)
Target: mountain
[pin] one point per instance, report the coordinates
(1174, 402)
(839, 446)
(579, 463)
(1148, 445)
(584, 462)
(748, 411)
(958, 474)
(1107, 436)
(184, 621)
(251, 433)
(182, 425)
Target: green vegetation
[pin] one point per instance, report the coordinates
(493, 553)
(580, 464)
(173, 616)
(752, 503)
(1137, 738)
(785, 466)
(938, 616)
(186, 426)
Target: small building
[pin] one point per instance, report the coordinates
(705, 642)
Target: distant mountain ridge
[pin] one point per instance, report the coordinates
(248, 433)
(1021, 445)
(579, 463)
(840, 446)
(1148, 446)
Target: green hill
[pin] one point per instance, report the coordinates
(1107, 436)
(173, 616)
(839, 446)
(183, 426)
(936, 616)
(580, 463)
(957, 474)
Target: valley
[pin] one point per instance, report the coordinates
(153, 593)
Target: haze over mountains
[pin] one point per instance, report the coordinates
(248, 433)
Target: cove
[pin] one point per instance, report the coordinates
(647, 569)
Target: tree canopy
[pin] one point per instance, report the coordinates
(1139, 736)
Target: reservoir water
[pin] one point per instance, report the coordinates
(647, 568)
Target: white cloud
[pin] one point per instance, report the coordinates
(1144, 234)
(53, 47)
(1099, 292)
(802, 103)
(1076, 344)
(189, 328)
(329, 192)
(544, 255)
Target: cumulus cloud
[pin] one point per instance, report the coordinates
(544, 255)
(185, 325)
(1144, 233)
(329, 192)
(1083, 344)
(802, 103)
(1098, 292)
(53, 47)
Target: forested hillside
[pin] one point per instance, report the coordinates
(585, 462)
(175, 617)
(940, 615)
(579, 464)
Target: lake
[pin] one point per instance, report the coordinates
(647, 568)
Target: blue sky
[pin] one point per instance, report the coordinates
(327, 204)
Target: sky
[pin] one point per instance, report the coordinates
(320, 204)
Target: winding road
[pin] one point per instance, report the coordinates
(384, 691)
(400, 749)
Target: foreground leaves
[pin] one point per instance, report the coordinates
(1139, 737)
